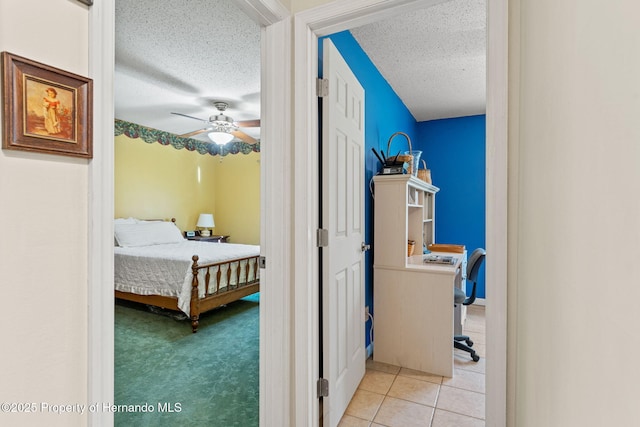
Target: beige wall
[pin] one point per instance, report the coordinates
(158, 181)
(576, 212)
(300, 5)
(43, 222)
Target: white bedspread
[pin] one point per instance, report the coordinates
(166, 269)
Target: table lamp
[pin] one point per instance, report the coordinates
(205, 222)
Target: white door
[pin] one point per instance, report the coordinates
(343, 321)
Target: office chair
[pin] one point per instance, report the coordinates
(473, 266)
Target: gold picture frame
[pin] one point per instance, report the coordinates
(45, 109)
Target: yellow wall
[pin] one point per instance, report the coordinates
(237, 212)
(158, 181)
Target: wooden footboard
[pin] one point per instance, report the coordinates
(221, 282)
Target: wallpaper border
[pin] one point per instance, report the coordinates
(150, 136)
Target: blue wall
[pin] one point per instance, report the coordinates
(454, 150)
(386, 114)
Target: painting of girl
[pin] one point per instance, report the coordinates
(49, 110)
(45, 109)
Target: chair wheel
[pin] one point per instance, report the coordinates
(469, 343)
(475, 357)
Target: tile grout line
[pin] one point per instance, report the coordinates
(435, 404)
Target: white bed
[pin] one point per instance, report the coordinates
(155, 265)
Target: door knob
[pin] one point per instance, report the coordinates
(365, 247)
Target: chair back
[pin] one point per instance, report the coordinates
(473, 266)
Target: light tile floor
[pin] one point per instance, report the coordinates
(390, 396)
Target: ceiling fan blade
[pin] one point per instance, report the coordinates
(190, 117)
(248, 123)
(243, 136)
(194, 133)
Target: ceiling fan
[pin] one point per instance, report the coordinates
(222, 128)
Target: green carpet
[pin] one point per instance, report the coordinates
(207, 379)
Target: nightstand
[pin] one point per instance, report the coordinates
(216, 239)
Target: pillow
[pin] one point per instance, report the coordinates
(147, 233)
(129, 220)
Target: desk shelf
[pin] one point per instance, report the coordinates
(404, 210)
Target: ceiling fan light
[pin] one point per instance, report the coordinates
(220, 138)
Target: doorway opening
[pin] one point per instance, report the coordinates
(159, 176)
(455, 146)
(328, 20)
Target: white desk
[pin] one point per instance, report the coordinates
(414, 314)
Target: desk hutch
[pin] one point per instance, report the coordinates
(413, 301)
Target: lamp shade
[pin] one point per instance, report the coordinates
(205, 221)
(220, 138)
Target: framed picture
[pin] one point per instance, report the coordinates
(45, 109)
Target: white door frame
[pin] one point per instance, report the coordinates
(100, 375)
(289, 308)
(338, 16)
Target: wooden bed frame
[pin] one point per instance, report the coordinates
(216, 297)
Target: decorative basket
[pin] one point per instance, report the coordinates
(402, 158)
(411, 245)
(425, 174)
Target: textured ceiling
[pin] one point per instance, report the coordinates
(182, 55)
(434, 58)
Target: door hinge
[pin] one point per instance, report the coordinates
(322, 87)
(323, 387)
(322, 237)
(262, 262)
